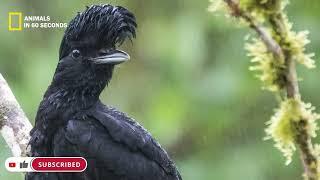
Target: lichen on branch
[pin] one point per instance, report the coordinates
(281, 128)
(270, 71)
(275, 52)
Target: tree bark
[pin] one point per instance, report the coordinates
(14, 125)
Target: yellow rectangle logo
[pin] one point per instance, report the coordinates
(13, 27)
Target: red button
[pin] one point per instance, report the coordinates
(12, 164)
(59, 164)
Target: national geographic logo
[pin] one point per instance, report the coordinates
(15, 21)
(18, 22)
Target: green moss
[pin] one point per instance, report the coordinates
(270, 70)
(280, 126)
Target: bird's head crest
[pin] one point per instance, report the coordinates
(99, 26)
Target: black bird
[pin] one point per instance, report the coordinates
(72, 121)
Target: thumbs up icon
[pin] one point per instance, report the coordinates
(23, 165)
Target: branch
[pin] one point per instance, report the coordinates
(280, 51)
(14, 125)
(302, 138)
(307, 156)
(271, 44)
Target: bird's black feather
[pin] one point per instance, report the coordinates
(71, 120)
(99, 26)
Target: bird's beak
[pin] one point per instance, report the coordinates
(113, 57)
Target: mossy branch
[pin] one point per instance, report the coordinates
(271, 44)
(275, 52)
(302, 138)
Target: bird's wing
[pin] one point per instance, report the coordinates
(120, 144)
(129, 132)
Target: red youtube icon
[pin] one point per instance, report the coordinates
(12, 164)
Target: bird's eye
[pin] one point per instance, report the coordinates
(76, 53)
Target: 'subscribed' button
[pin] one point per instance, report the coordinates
(59, 164)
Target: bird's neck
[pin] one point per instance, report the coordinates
(77, 93)
(74, 97)
(60, 104)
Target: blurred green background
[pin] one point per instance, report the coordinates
(188, 83)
